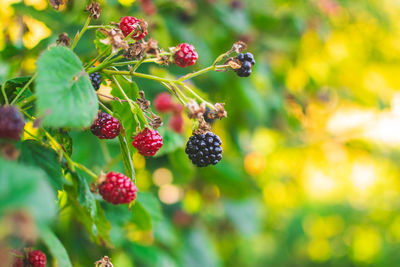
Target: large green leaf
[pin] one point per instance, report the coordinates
(25, 187)
(35, 154)
(65, 96)
(147, 211)
(55, 247)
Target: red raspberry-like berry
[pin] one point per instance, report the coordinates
(18, 259)
(105, 126)
(37, 258)
(129, 24)
(185, 55)
(163, 102)
(176, 123)
(177, 108)
(11, 123)
(118, 189)
(148, 142)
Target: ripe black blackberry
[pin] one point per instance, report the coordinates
(204, 149)
(248, 62)
(95, 78)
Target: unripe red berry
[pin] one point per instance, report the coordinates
(118, 189)
(11, 123)
(37, 258)
(185, 55)
(105, 126)
(148, 142)
(163, 102)
(177, 108)
(129, 24)
(176, 123)
(18, 258)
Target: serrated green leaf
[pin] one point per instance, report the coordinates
(55, 247)
(35, 154)
(65, 96)
(26, 187)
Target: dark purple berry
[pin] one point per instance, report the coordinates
(11, 123)
(95, 78)
(204, 149)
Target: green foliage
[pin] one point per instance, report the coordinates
(68, 84)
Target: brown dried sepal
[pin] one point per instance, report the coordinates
(94, 9)
(63, 39)
(164, 60)
(9, 151)
(239, 46)
(156, 122)
(220, 111)
(197, 111)
(144, 104)
(115, 38)
(135, 51)
(234, 63)
(57, 3)
(151, 47)
(104, 262)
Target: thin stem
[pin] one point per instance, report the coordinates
(108, 61)
(79, 34)
(112, 98)
(85, 169)
(24, 88)
(136, 74)
(147, 60)
(175, 92)
(197, 96)
(96, 58)
(27, 101)
(202, 71)
(106, 108)
(99, 27)
(3, 90)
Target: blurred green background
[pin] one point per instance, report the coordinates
(310, 174)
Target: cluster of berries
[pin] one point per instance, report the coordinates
(185, 54)
(163, 103)
(248, 62)
(147, 142)
(35, 258)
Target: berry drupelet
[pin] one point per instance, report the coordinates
(129, 24)
(105, 126)
(37, 258)
(95, 78)
(11, 123)
(204, 149)
(118, 189)
(185, 55)
(248, 62)
(148, 142)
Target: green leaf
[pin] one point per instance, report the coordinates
(171, 142)
(101, 47)
(64, 139)
(122, 109)
(147, 211)
(26, 187)
(65, 96)
(11, 88)
(88, 211)
(55, 247)
(35, 154)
